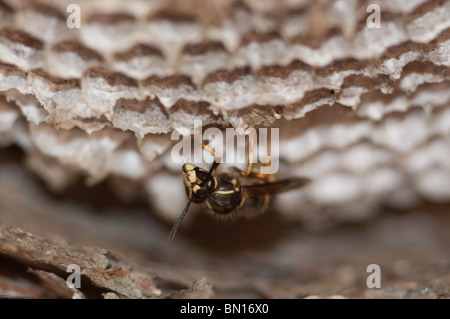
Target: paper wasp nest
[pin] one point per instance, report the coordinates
(363, 111)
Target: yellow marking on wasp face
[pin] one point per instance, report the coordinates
(234, 181)
(215, 182)
(189, 174)
(188, 167)
(196, 188)
(231, 191)
(192, 177)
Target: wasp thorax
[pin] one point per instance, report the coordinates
(198, 183)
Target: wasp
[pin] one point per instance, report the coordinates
(226, 195)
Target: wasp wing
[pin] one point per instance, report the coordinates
(274, 187)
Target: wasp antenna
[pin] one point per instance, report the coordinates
(180, 219)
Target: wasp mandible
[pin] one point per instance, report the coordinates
(225, 195)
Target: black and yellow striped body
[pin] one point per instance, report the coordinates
(227, 197)
(224, 197)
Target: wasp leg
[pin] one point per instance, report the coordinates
(266, 177)
(248, 172)
(209, 149)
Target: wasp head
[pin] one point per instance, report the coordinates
(199, 184)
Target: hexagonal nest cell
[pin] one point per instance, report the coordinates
(92, 93)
